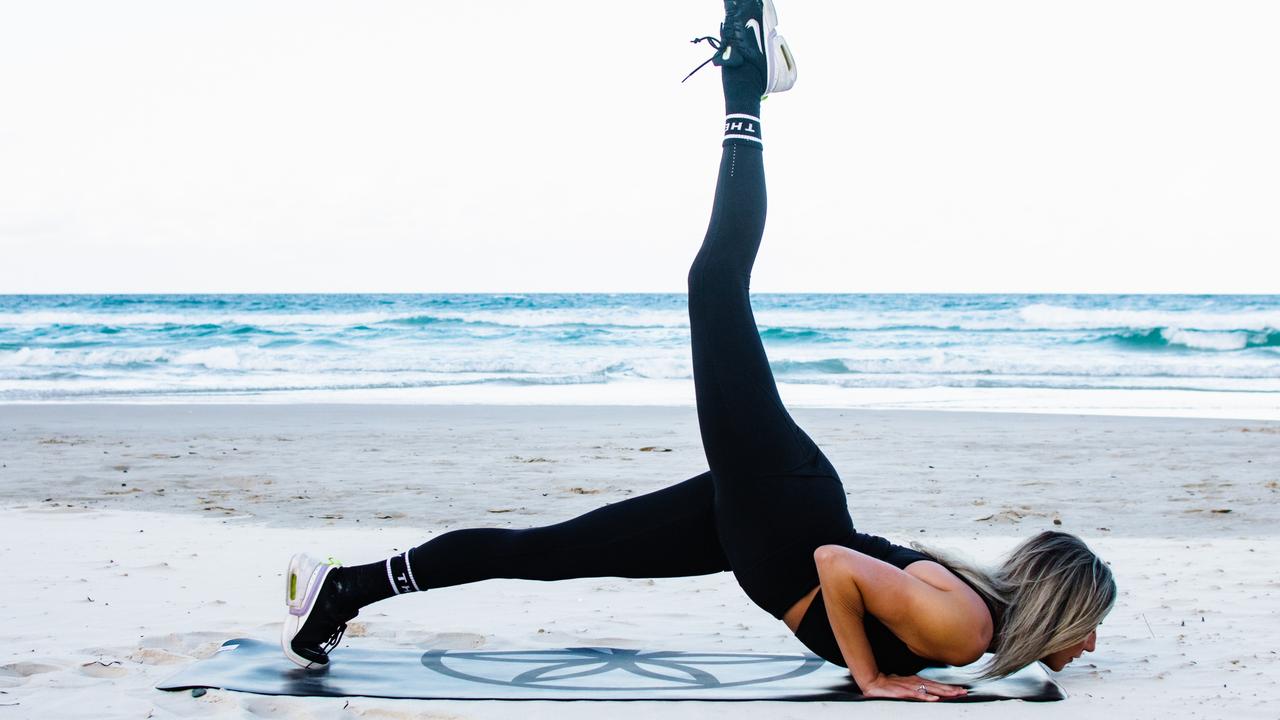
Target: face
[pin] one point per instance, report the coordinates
(1057, 661)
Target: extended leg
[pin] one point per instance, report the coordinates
(666, 533)
(670, 532)
(745, 427)
(777, 495)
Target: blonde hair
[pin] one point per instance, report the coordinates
(1048, 594)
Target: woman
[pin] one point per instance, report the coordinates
(771, 508)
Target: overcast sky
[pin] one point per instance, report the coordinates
(426, 146)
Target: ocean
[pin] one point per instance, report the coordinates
(1192, 352)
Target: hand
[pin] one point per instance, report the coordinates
(907, 687)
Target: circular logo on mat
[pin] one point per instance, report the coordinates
(598, 668)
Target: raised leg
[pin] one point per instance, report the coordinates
(745, 427)
(777, 496)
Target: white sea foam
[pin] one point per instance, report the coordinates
(120, 319)
(1035, 316)
(622, 317)
(1203, 340)
(88, 357)
(368, 364)
(214, 358)
(1069, 318)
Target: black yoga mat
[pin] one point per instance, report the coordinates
(580, 673)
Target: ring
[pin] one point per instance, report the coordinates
(921, 689)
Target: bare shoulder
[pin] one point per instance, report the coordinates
(967, 606)
(937, 576)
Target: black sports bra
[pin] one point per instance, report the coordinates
(892, 655)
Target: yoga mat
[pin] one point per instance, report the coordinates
(579, 673)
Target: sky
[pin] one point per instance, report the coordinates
(502, 146)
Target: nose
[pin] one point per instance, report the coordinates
(1091, 642)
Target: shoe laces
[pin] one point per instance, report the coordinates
(328, 645)
(713, 42)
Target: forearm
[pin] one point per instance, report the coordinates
(845, 610)
(922, 614)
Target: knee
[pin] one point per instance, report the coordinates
(715, 275)
(695, 275)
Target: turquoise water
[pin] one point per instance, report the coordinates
(143, 347)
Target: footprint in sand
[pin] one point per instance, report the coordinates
(1011, 515)
(186, 645)
(15, 674)
(442, 641)
(156, 656)
(276, 708)
(356, 708)
(104, 669)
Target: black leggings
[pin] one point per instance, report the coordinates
(770, 497)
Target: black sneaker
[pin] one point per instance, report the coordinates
(316, 620)
(749, 34)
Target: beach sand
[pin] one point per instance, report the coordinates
(135, 539)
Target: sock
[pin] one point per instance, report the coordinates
(742, 88)
(367, 584)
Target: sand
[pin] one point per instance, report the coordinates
(137, 538)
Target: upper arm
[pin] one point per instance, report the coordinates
(938, 617)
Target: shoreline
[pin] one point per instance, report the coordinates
(1154, 403)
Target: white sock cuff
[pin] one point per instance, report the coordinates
(409, 569)
(391, 579)
(741, 126)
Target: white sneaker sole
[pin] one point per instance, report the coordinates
(778, 58)
(301, 585)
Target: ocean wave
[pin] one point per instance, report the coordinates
(795, 367)
(198, 319)
(49, 388)
(941, 364)
(54, 357)
(1172, 337)
(325, 355)
(421, 319)
(791, 334)
(1057, 317)
(653, 368)
(68, 319)
(781, 325)
(100, 388)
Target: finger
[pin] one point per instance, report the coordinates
(941, 689)
(950, 692)
(927, 695)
